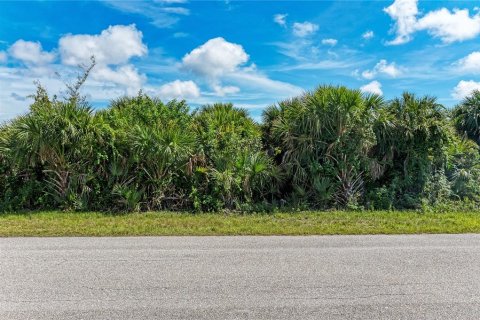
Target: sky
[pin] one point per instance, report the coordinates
(251, 53)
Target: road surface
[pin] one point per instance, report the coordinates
(329, 277)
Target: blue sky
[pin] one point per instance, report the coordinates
(251, 53)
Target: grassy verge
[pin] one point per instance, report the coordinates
(303, 223)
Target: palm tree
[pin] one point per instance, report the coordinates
(412, 140)
(235, 166)
(466, 117)
(152, 145)
(56, 138)
(324, 137)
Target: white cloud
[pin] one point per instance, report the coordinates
(280, 19)
(179, 90)
(3, 56)
(322, 65)
(221, 65)
(330, 42)
(256, 80)
(30, 52)
(470, 63)
(161, 13)
(113, 48)
(404, 13)
(125, 75)
(368, 35)
(465, 88)
(382, 67)
(388, 69)
(374, 87)
(177, 10)
(215, 58)
(367, 74)
(218, 60)
(226, 90)
(115, 45)
(18, 83)
(449, 26)
(303, 29)
(300, 49)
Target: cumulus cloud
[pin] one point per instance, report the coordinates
(113, 75)
(465, 88)
(304, 29)
(115, 45)
(330, 42)
(215, 58)
(280, 19)
(17, 83)
(217, 63)
(125, 75)
(30, 52)
(218, 60)
(3, 56)
(449, 26)
(404, 13)
(113, 48)
(374, 87)
(368, 35)
(179, 90)
(382, 67)
(470, 63)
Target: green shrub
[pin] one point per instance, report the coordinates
(330, 148)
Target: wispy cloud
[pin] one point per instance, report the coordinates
(323, 65)
(307, 55)
(162, 14)
(330, 42)
(367, 35)
(280, 19)
(304, 29)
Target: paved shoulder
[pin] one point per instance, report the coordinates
(332, 277)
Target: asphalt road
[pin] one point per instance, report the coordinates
(332, 277)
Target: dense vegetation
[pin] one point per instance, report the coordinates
(330, 148)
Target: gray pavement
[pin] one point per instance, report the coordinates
(331, 277)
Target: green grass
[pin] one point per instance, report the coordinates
(303, 223)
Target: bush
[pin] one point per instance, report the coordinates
(330, 148)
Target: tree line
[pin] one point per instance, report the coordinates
(333, 147)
